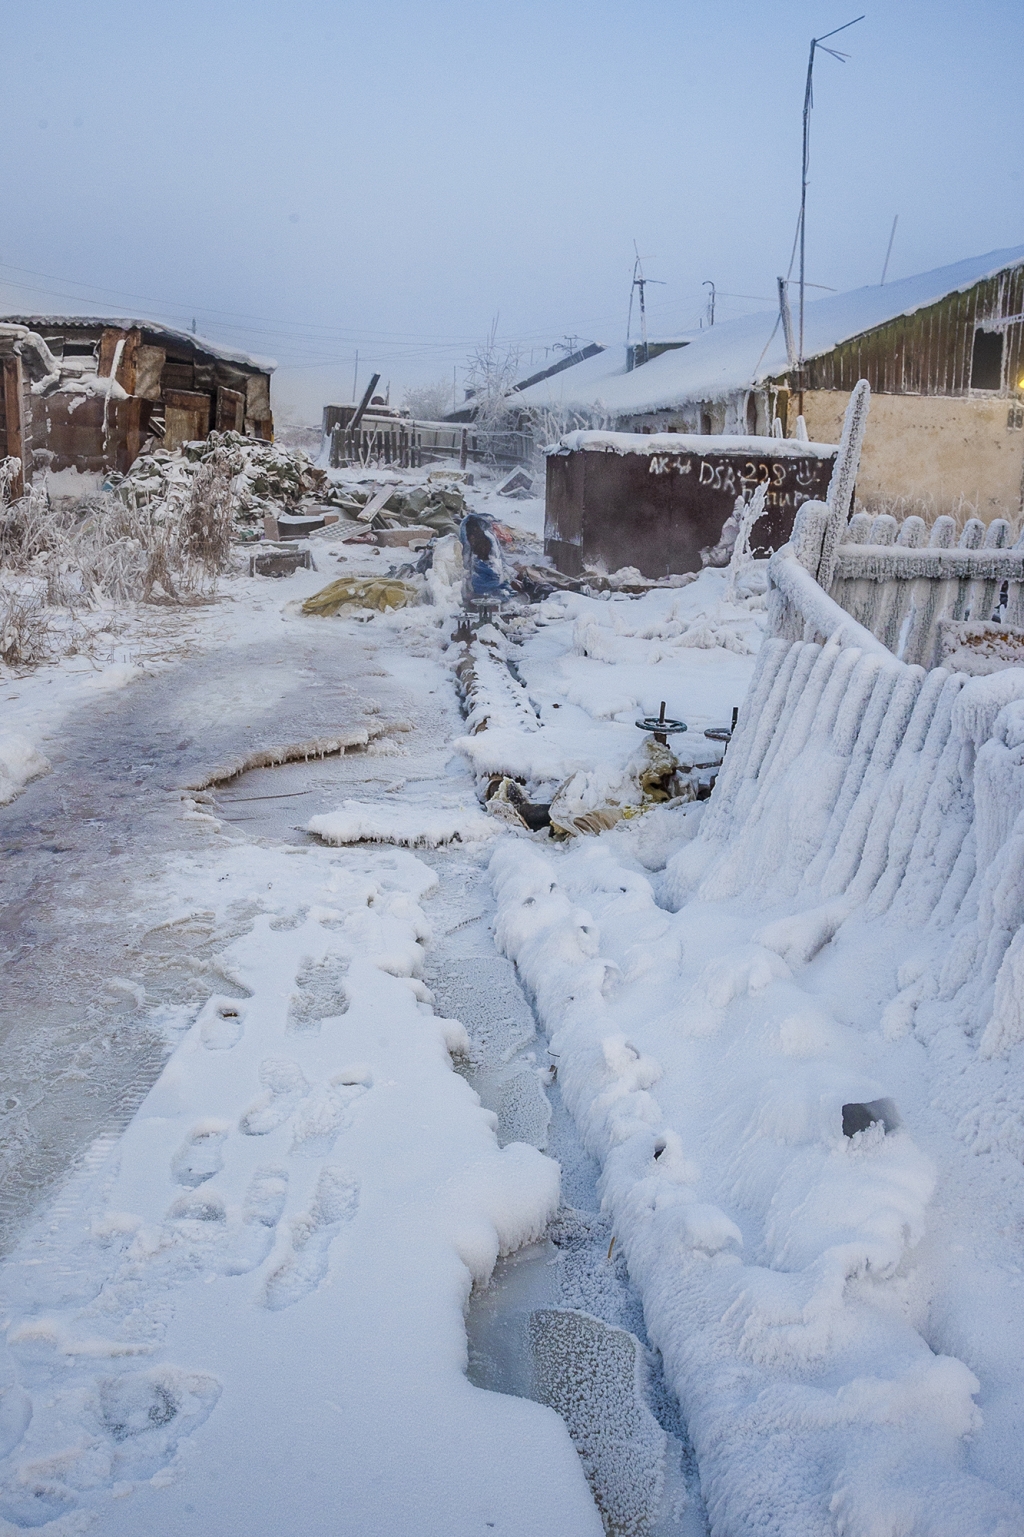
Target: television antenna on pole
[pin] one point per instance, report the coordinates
(640, 282)
(711, 300)
(816, 43)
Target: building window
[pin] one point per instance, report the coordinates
(987, 361)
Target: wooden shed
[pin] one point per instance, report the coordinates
(90, 391)
(660, 502)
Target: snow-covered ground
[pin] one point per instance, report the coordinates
(244, 1313)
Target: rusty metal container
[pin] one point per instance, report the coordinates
(656, 502)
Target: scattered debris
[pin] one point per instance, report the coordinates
(505, 799)
(979, 646)
(518, 483)
(381, 593)
(265, 479)
(456, 477)
(391, 538)
(267, 561)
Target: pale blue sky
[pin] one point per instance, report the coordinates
(312, 177)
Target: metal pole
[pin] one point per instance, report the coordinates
(808, 103)
(808, 97)
(787, 321)
(888, 251)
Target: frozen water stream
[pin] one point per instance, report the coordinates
(559, 1321)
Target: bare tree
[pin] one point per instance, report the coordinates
(428, 402)
(491, 371)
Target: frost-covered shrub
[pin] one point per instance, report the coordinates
(108, 548)
(26, 635)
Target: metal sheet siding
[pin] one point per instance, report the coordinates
(657, 511)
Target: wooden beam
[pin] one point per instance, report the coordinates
(108, 346)
(126, 369)
(14, 414)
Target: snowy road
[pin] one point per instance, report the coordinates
(83, 849)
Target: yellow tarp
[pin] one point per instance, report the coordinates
(380, 593)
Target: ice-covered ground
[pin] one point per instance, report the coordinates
(244, 1313)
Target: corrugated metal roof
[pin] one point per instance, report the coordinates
(125, 323)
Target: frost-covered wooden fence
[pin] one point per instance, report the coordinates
(410, 444)
(909, 584)
(910, 588)
(909, 777)
(868, 785)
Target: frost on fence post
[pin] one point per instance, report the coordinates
(807, 538)
(590, 1373)
(844, 479)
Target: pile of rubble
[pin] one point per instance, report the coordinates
(437, 507)
(269, 480)
(265, 478)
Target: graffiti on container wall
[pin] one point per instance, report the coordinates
(788, 480)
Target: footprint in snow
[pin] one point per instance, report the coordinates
(319, 1114)
(203, 1238)
(201, 1155)
(334, 1203)
(221, 1023)
(320, 994)
(286, 1087)
(322, 1115)
(123, 1427)
(146, 1413)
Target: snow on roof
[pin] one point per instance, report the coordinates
(154, 327)
(736, 354)
(689, 443)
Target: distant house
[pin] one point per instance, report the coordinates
(943, 353)
(467, 412)
(85, 393)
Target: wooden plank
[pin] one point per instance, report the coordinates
(376, 502)
(108, 346)
(230, 410)
(14, 420)
(126, 369)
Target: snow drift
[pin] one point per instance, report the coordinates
(722, 1029)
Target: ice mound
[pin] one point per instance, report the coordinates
(20, 763)
(415, 827)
